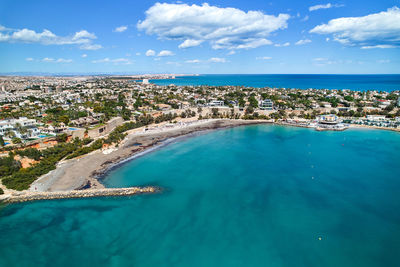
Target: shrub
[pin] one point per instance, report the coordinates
(8, 165)
(62, 138)
(20, 179)
(31, 153)
(16, 140)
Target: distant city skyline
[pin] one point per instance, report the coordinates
(221, 37)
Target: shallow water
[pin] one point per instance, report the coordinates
(247, 196)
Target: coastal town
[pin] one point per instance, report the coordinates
(47, 120)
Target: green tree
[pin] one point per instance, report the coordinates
(242, 103)
(215, 112)
(62, 138)
(349, 98)
(249, 110)
(253, 102)
(64, 119)
(16, 140)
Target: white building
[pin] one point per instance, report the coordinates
(22, 128)
(376, 117)
(216, 103)
(328, 118)
(266, 104)
(5, 126)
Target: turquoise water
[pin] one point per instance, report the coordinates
(302, 81)
(247, 196)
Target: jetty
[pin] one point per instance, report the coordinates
(87, 193)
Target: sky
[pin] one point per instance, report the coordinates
(213, 37)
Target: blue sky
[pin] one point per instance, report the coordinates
(200, 37)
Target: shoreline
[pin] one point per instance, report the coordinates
(102, 173)
(374, 127)
(87, 171)
(81, 177)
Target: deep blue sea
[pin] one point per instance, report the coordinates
(301, 81)
(247, 196)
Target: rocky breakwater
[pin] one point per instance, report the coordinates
(32, 196)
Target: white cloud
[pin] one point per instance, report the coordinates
(282, 45)
(384, 61)
(117, 61)
(123, 61)
(101, 60)
(29, 59)
(46, 37)
(326, 6)
(150, 53)
(48, 59)
(173, 63)
(83, 34)
(60, 60)
(305, 18)
(121, 29)
(303, 42)
(193, 61)
(263, 58)
(378, 30)
(165, 53)
(2, 28)
(90, 47)
(84, 55)
(222, 28)
(138, 54)
(378, 46)
(217, 60)
(63, 60)
(190, 43)
(322, 61)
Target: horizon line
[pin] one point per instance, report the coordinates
(27, 73)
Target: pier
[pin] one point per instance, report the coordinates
(32, 196)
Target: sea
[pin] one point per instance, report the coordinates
(389, 82)
(261, 195)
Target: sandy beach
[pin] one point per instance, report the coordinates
(82, 173)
